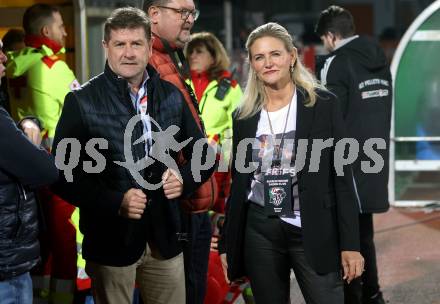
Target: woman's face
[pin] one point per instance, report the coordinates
(200, 60)
(271, 61)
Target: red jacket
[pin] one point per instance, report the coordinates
(162, 62)
(206, 194)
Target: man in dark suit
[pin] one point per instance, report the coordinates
(356, 70)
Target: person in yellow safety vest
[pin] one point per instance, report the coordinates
(83, 281)
(48, 78)
(218, 94)
(39, 80)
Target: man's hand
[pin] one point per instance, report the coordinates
(225, 266)
(32, 131)
(133, 204)
(352, 264)
(172, 184)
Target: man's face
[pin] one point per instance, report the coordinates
(328, 40)
(169, 24)
(55, 30)
(128, 51)
(2, 61)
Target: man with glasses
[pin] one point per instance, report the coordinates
(171, 23)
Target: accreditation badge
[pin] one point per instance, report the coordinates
(143, 106)
(278, 193)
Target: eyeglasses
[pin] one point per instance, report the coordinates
(184, 13)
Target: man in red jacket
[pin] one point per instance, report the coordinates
(171, 23)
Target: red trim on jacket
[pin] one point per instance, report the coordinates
(38, 41)
(227, 74)
(200, 82)
(50, 60)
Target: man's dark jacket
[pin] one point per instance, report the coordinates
(359, 75)
(23, 167)
(102, 108)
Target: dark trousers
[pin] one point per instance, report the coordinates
(368, 284)
(273, 247)
(196, 255)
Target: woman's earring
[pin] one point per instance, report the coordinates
(292, 67)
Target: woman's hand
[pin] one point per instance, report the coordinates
(352, 265)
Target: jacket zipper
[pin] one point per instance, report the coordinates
(205, 95)
(22, 196)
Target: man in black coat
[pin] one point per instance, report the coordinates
(128, 191)
(356, 71)
(23, 167)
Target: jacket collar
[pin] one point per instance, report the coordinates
(38, 42)
(345, 41)
(158, 44)
(304, 116)
(304, 119)
(122, 84)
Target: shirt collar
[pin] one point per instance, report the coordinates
(143, 86)
(344, 41)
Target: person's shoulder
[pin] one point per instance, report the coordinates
(366, 41)
(158, 58)
(324, 94)
(20, 62)
(50, 61)
(236, 89)
(164, 67)
(324, 97)
(168, 87)
(338, 58)
(27, 52)
(336, 66)
(4, 115)
(243, 122)
(89, 88)
(166, 84)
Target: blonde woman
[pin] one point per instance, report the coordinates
(279, 219)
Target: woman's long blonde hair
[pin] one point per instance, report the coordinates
(254, 97)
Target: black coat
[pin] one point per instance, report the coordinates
(23, 167)
(359, 75)
(328, 206)
(102, 108)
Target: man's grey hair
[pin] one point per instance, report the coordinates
(150, 3)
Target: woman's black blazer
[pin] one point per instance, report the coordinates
(328, 203)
